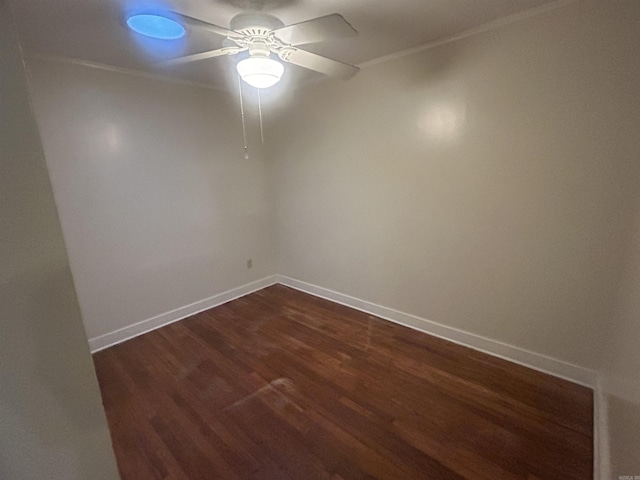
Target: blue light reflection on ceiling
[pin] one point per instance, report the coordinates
(156, 26)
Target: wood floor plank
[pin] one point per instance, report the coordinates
(283, 385)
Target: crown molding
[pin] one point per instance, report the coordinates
(493, 25)
(33, 56)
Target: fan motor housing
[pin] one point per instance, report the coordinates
(255, 23)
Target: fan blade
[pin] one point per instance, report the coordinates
(316, 30)
(320, 64)
(194, 22)
(200, 56)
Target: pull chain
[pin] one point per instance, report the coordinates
(244, 126)
(260, 115)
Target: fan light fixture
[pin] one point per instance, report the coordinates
(156, 26)
(260, 72)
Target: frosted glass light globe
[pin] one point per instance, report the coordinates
(260, 72)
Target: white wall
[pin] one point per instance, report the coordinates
(158, 206)
(52, 425)
(621, 368)
(489, 185)
(485, 184)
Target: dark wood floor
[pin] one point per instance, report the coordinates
(283, 385)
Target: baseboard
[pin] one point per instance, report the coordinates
(511, 353)
(118, 336)
(542, 363)
(536, 361)
(601, 460)
(552, 366)
(611, 388)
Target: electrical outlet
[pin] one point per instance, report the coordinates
(250, 263)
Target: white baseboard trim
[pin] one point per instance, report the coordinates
(601, 451)
(118, 336)
(536, 361)
(511, 353)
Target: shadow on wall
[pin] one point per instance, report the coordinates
(44, 378)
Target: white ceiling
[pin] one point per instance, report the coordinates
(94, 30)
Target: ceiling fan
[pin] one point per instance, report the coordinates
(264, 37)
